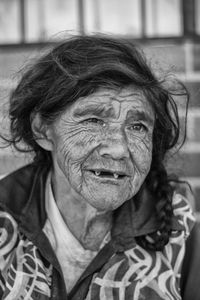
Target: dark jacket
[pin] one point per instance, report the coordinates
(30, 269)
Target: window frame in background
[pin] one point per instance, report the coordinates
(190, 26)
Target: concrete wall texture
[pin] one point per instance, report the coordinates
(181, 57)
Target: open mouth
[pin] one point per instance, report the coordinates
(108, 174)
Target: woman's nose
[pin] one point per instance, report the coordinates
(115, 146)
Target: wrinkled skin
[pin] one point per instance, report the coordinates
(102, 146)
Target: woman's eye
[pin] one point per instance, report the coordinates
(94, 121)
(138, 127)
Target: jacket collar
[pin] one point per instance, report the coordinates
(23, 193)
(137, 217)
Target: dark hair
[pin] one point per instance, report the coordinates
(78, 67)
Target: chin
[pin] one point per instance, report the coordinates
(108, 205)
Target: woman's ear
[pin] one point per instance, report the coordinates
(42, 132)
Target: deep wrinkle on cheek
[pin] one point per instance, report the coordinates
(142, 146)
(141, 154)
(143, 140)
(76, 148)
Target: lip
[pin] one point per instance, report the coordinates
(112, 171)
(107, 178)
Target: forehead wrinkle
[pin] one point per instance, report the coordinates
(128, 95)
(107, 104)
(102, 110)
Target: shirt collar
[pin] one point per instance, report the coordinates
(62, 233)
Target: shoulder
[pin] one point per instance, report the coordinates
(183, 212)
(8, 238)
(14, 192)
(8, 229)
(16, 187)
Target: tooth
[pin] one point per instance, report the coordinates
(115, 175)
(97, 173)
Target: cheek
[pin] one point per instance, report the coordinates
(73, 146)
(141, 151)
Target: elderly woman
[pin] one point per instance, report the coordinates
(94, 216)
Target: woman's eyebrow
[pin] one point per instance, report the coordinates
(102, 111)
(141, 115)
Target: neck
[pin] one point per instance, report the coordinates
(85, 222)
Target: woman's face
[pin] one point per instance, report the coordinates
(102, 146)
